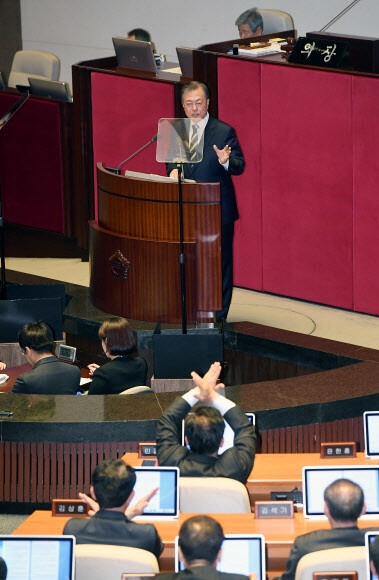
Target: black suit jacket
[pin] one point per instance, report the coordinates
(200, 573)
(113, 528)
(210, 169)
(322, 540)
(235, 463)
(49, 376)
(118, 375)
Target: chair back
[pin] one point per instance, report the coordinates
(99, 561)
(213, 495)
(33, 63)
(276, 21)
(352, 559)
(136, 390)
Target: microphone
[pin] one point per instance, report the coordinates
(117, 170)
(339, 15)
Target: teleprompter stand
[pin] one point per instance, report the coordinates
(177, 354)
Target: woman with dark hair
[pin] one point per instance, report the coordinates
(126, 369)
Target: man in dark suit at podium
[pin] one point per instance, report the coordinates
(222, 158)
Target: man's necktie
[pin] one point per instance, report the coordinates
(194, 143)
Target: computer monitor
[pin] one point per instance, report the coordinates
(228, 434)
(316, 479)
(369, 538)
(371, 431)
(29, 557)
(185, 58)
(165, 504)
(241, 554)
(136, 54)
(52, 89)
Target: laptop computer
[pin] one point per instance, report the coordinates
(165, 504)
(241, 554)
(52, 89)
(30, 557)
(369, 538)
(136, 54)
(185, 58)
(228, 434)
(371, 432)
(316, 479)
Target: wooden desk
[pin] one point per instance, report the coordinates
(279, 534)
(13, 373)
(278, 471)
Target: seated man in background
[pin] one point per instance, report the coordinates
(204, 433)
(139, 34)
(250, 23)
(374, 556)
(344, 503)
(200, 541)
(49, 376)
(112, 491)
(3, 569)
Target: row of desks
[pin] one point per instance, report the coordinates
(271, 472)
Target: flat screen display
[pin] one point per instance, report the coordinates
(371, 430)
(166, 502)
(241, 554)
(42, 557)
(316, 479)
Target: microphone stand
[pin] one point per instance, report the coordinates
(118, 170)
(339, 15)
(181, 255)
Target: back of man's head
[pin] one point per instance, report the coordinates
(200, 538)
(37, 336)
(139, 34)
(3, 569)
(204, 430)
(374, 555)
(345, 500)
(113, 482)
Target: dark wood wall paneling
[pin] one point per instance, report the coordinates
(10, 33)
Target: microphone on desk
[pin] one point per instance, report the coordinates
(117, 170)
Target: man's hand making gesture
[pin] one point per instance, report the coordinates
(207, 387)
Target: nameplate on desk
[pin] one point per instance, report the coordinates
(147, 449)
(69, 507)
(335, 576)
(320, 52)
(333, 450)
(273, 509)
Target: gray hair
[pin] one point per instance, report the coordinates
(252, 17)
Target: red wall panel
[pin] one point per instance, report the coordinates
(366, 198)
(307, 201)
(125, 115)
(31, 165)
(239, 104)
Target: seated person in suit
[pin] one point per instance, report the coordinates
(344, 503)
(139, 34)
(110, 523)
(49, 376)
(250, 23)
(204, 433)
(2, 366)
(200, 541)
(125, 369)
(374, 556)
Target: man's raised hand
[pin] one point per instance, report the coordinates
(207, 387)
(137, 509)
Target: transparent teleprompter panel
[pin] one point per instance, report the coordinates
(178, 142)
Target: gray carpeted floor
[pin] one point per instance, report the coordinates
(9, 522)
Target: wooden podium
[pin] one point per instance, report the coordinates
(134, 249)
